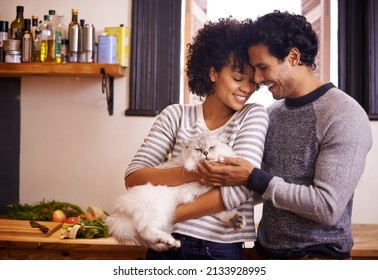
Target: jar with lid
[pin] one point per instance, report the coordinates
(13, 56)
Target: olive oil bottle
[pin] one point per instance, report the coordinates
(27, 43)
(17, 26)
(45, 35)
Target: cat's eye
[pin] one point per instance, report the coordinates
(198, 150)
(211, 148)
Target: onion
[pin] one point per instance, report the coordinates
(58, 216)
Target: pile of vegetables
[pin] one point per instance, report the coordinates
(89, 225)
(84, 227)
(76, 222)
(43, 211)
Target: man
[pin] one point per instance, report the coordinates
(315, 148)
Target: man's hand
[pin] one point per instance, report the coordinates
(226, 172)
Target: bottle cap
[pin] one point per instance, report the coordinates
(20, 9)
(27, 22)
(52, 12)
(4, 26)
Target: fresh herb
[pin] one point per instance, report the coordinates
(85, 228)
(41, 211)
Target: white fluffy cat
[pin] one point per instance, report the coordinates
(145, 213)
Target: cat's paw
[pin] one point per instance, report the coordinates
(165, 246)
(238, 222)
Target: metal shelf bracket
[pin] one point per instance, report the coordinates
(108, 88)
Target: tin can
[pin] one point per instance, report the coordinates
(107, 49)
(89, 42)
(13, 57)
(122, 33)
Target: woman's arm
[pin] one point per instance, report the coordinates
(164, 176)
(154, 151)
(200, 206)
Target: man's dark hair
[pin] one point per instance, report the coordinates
(282, 31)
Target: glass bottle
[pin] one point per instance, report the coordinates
(26, 51)
(36, 53)
(52, 38)
(64, 39)
(73, 37)
(45, 35)
(34, 25)
(17, 26)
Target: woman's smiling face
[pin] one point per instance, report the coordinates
(232, 87)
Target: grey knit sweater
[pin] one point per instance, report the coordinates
(315, 153)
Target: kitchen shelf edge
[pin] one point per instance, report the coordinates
(63, 69)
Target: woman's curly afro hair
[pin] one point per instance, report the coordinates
(216, 45)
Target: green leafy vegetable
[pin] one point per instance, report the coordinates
(86, 228)
(93, 229)
(41, 211)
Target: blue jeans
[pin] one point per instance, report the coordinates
(198, 249)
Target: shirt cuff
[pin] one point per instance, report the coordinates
(258, 181)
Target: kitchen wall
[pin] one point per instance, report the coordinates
(72, 150)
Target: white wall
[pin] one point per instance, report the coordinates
(72, 150)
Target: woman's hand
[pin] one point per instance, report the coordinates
(226, 172)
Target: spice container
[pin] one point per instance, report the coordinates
(13, 57)
(12, 45)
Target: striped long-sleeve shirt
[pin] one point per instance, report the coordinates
(245, 132)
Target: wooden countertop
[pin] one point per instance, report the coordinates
(19, 241)
(365, 241)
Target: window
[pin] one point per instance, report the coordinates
(155, 56)
(155, 53)
(358, 46)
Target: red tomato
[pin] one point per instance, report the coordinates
(72, 220)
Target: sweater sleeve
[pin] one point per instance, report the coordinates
(248, 142)
(159, 141)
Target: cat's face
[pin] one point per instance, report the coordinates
(203, 148)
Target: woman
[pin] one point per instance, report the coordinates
(217, 69)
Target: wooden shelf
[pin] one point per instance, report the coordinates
(64, 69)
(107, 71)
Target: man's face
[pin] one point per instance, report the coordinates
(270, 71)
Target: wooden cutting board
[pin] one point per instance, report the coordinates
(21, 227)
